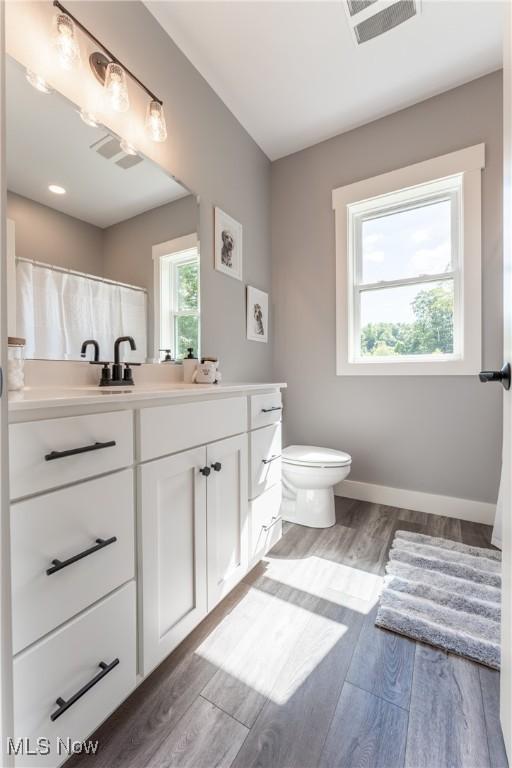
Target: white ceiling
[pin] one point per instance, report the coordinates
(292, 75)
(47, 143)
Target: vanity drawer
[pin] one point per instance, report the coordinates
(46, 454)
(265, 459)
(62, 525)
(172, 428)
(66, 663)
(265, 409)
(266, 524)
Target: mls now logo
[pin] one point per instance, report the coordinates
(25, 746)
(41, 746)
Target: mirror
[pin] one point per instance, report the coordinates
(102, 242)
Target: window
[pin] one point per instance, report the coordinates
(406, 273)
(177, 319)
(408, 269)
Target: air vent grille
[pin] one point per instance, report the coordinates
(109, 147)
(384, 20)
(356, 6)
(128, 161)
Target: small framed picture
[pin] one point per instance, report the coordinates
(257, 315)
(228, 245)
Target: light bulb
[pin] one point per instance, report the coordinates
(89, 119)
(37, 82)
(127, 148)
(155, 121)
(116, 88)
(68, 50)
(57, 189)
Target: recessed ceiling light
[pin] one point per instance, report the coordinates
(56, 189)
(89, 119)
(127, 148)
(37, 82)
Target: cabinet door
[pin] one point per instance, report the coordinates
(172, 514)
(228, 536)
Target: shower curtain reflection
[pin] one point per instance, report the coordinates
(58, 309)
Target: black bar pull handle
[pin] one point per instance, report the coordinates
(272, 458)
(64, 704)
(274, 408)
(58, 565)
(74, 451)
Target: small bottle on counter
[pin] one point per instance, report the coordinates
(15, 363)
(189, 366)
(167, 358)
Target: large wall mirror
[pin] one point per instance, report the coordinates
(102, 242)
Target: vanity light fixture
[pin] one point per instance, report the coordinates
(89, 119)
(116, 88)
(155, 121)
(113, 74)
(66, 44)
(127, 148)
(37, 82)
(56, 189)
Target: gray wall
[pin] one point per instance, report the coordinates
(47, 235)
(210, 152)
(439, 434)
(127, 246)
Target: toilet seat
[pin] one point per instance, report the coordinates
(313, 456)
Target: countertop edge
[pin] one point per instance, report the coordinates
(106, 398)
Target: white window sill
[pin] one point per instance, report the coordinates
(450, 367)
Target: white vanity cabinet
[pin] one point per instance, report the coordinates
(227, 516)
(90, 531)
(265, 490)
(172, 525)
(193, 523)
(74, 610)
(67, 684)
(128, 525)
(54, 452)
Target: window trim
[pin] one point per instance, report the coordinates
(399, 187)
(163, 251)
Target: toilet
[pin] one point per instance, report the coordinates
(309, 476)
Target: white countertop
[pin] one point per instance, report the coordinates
(32, 398)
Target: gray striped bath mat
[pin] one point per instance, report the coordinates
(444, 593)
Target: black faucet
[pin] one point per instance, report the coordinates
(117, 377)
(117, 367)
(96, 349)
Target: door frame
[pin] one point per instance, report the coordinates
(6, 696)
(506, 478)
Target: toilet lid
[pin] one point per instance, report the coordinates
(312, 456)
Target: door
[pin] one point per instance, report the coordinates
(227, 504)
(172, 515)
(5, 584)
(506, 483)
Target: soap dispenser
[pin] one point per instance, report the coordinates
(189, 366)
(167, 358)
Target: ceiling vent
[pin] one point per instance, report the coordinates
(355, 6)
(109, 148)
(369, 19)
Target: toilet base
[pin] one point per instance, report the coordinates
(313, 508)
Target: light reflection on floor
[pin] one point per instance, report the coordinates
(288, 597)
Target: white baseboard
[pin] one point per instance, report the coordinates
(449, 506)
